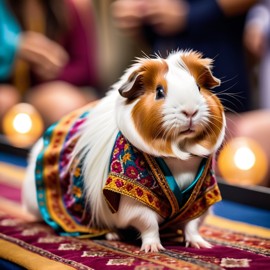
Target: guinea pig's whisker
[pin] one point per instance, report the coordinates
(211, 132)
(214, 124)
(160, 131)
(229, 101)
(235, 96)
(171, 128)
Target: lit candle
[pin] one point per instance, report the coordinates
(22, 125)
(242, 161)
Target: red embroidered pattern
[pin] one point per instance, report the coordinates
(138, 176)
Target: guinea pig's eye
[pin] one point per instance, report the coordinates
(199, 87)
(160, 93)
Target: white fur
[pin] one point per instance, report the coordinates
(95, 145)
(29, 197)
(180, 101)
(97, 140)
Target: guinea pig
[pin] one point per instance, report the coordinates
(140, 157)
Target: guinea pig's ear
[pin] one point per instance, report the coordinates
(200, 68)
(133, 86)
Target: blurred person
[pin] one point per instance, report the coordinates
(48, 56)
(257, 41)
(215, 28)
(115, 49)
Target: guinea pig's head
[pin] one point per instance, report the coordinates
(166, 108)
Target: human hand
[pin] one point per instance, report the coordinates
(255, 40)
(45, 56)
(128, 15)
(166, 16)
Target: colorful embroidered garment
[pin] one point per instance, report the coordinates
(147, 179)
(60, 193)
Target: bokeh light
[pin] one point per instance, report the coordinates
(22, 125)
(242, 161)
(244, 158)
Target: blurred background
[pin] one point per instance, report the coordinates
(56, 56)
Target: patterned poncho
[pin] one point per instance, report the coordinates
(60, 187)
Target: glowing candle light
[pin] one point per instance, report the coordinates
(244, 158)
(242, 161)
(22, 125)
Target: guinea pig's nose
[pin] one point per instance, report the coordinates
(189, 113)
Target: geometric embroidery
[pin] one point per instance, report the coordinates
(61, 195)
(93, 254)
(234, 263)
(34, 231)
(67, 246)
(127, 262)
(140, 176)
(242, 251)
(147, 266)
(9, 222)
(50, 239)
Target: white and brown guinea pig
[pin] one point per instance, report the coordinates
(164, 108)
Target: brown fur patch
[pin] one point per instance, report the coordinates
(200, 69)
(211, 131)
(147, 113)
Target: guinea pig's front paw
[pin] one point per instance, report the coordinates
(152, 247)
(196, 241)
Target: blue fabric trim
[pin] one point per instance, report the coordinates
(73, 234)
(171, 181)
(198, 176)
(40, 183)
(180, 195)
(76, 181)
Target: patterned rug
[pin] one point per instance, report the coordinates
(33, 245)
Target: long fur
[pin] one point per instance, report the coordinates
(157, 127)
(95, 147)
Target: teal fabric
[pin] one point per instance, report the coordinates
(181, 195)
(9, 40)
(68, 182)
(41, 185)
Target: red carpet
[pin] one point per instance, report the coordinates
(35, 246)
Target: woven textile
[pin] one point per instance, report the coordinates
(42, 246)
(35, 245)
